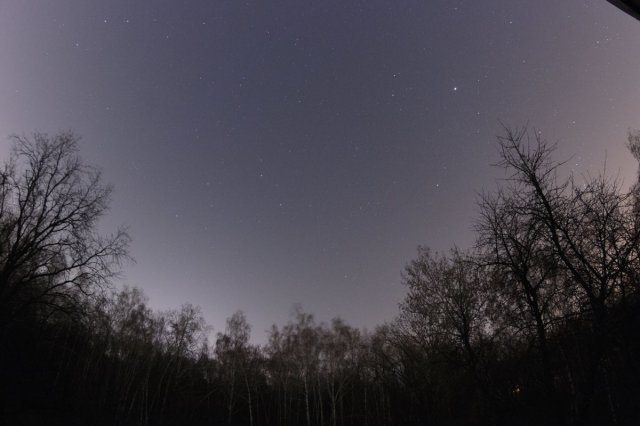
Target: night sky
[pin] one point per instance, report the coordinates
(273, 152)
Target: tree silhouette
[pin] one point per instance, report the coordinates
(51, 255)
(537, 325)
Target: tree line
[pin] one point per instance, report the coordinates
(537, 323)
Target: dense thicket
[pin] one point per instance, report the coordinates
(537, 324)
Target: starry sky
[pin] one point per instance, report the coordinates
(271, 153)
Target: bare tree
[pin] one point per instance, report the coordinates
(633, 143)
(51, 254)
(340, 348)
(446, 303)
(590, 225)
(526, 273)
(592, 228)
(304, 342)
(233, 353)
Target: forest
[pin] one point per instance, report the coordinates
(536, 324)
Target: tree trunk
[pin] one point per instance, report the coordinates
(246, 381)
(306, 400)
